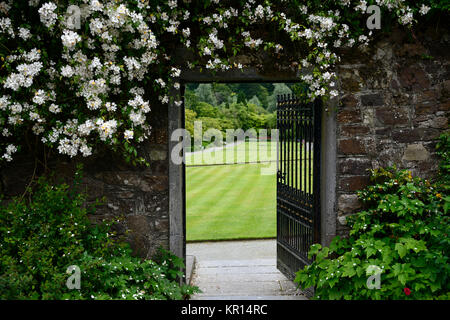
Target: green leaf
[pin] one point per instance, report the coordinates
(401, 249)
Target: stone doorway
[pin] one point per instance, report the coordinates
(177, 186)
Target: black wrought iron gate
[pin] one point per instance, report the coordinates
(298, 182)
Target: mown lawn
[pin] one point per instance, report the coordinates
(233, 201)
(230, 202)
(249, 151)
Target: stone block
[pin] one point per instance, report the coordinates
(348, 203)
(353, 183)
(352, 130)
(444, 106)
(354, 166)
(349, 101)
(440, 123)
(413, 77)
(348, 116)
(406, 135)
(392, 116)
(425, 109)
(415, 152)
(375, 99)
(351, 147)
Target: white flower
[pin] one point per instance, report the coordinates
(206, 51)
(47, 15)
(161, 82)
(106, 129)
(407, 16)
(11, 149)
(54, 108)
(175, 72)
(39, 97)
(111, 106)
(137, 118)
(67, 71)
(186, 32)
(70, 39)
(128, 134)
(86, 128)
(424, 9)
(172, 4)
(24, 33)
(95, 5)
(6, 133)
(85, 150)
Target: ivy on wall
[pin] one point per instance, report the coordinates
(80, 75)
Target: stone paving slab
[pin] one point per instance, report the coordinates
(234, 263)
(244, 277)
(219, 270)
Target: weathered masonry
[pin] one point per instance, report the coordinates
(394, 103)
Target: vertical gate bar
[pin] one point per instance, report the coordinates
(287, 143)
(279, 145)
(294, 159)
(296, 146)
(282, 143)
(283, 116)
(283, 147)
(292, 145)
(311, 128)
(311, 152)
(305, 151)
(317, 160)
(301, 150)
(310, 117)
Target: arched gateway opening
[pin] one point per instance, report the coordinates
(305, 172)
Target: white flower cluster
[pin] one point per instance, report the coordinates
(47, 14)
(10, 149)
(91, 90)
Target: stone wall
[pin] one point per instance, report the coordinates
(396, 102)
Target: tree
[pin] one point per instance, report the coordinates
(279, 89)
(204, 109)
(255, 101)
(205, 93)
(222, 92)
(241, 98)
(190, 116)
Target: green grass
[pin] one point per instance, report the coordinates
(242, 152)
(249, 151)
(234, 201)
(230, 202)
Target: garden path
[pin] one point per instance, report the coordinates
(239, 270)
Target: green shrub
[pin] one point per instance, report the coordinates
(42, 237)
(403, 230)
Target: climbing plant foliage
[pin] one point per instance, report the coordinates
(80, 75)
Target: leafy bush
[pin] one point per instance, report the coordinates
(42, 237)
(403, 230)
